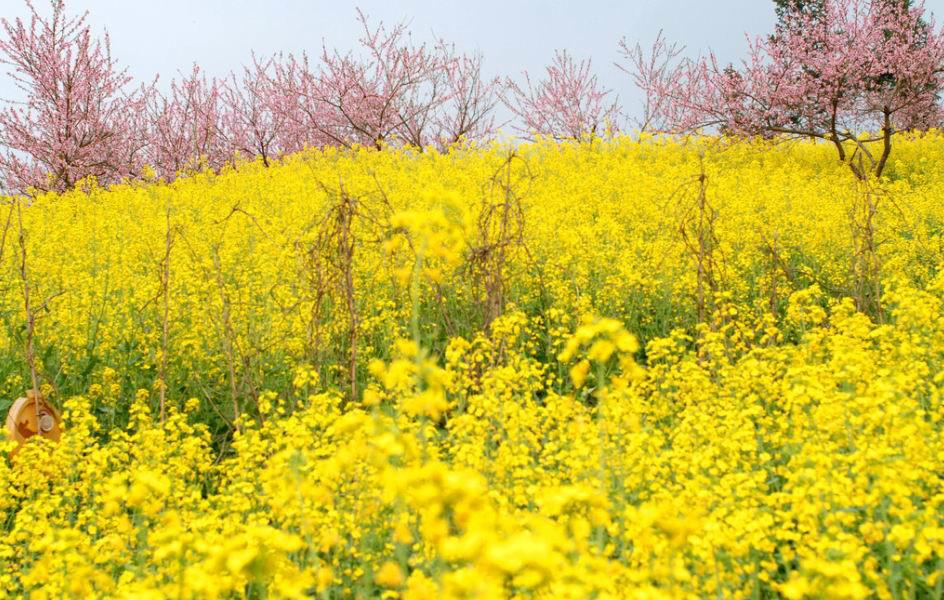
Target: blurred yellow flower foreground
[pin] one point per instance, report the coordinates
(614, 369)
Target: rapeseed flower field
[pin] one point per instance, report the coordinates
(625, 368)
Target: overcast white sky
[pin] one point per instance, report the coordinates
(167, 36)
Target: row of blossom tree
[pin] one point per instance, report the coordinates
(851, 72)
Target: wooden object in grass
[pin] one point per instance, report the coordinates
(23, 421)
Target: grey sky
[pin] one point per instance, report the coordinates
(167, 36)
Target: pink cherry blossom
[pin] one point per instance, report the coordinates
(568, 104)
(852, 75)
(185, 126)
(78, 118)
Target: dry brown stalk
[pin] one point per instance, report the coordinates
(165, 291)
(227, 330)
(30, 318)
(500, 232)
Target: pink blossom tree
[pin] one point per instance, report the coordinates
(651, 71)
(468, 114)
(853, 74)
(569, 103)
(76, 120)
(389, 94)
(185, 126)
(254, 115)
(310, 122)
(291, 81)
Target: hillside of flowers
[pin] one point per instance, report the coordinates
(626, 368)
(367, 322)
